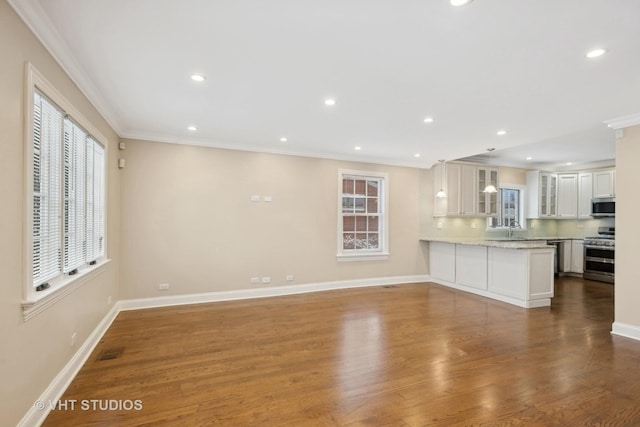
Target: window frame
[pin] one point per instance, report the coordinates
(382, 252)
(522, 220)
(34, 301)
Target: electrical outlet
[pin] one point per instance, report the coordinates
(255, 280)
(473, 225)
(255, 198)
(439, 226)
(73, 339)
(163, 286)
(266, 280)
(290, 278)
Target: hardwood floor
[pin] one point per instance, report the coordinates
(407, 355)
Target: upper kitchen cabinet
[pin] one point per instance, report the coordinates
(567, 195)
(487, 202)
(585, 192)
(604, 183)
(458, 180)
(542, 193)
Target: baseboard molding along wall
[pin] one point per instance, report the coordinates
(626, 330)
(37, 414)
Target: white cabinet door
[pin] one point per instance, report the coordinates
(453, 189)
(471, 266)
(542, 190)
(566, 256)
(585, 192)
(567, 195)
(442, 261)
(487, 202)
(604, 183)
(468, 190)
(577, 256)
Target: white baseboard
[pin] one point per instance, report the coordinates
(626, 330)
(58, 386)
(136, 304)
(60, 383)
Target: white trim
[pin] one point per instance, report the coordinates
(542, 302)
(381, 254)
(624, 122)
(31, 12)
(135, 304)
(57, 387)
(46, 298)
(36, 302)
(626, 330)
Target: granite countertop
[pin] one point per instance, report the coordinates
(519, 243)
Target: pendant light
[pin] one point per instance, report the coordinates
(441, 194)
(490, 188)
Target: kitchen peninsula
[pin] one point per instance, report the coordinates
(518, 272)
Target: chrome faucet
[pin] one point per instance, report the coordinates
(512, 225)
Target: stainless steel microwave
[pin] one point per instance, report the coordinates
(603, 207)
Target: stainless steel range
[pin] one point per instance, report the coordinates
(599, 255)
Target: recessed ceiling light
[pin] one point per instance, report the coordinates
(568, 163)
(417, 155)
(192, 128)
(283, 139)
(198, 77)
(529, 158)
(357, 148)
(459, 2)
(501, 132)
(428, 119)
(330, 101)
(596, 53)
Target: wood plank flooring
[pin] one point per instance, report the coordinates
(406, 355)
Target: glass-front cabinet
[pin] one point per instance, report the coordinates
(487, 202)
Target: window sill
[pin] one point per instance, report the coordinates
(379, 256)
(43, 300)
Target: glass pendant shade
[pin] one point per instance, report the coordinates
(441, 194)
(490, 189)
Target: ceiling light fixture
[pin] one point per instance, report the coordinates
(568, 164)
(417, 155)
(198, 78)
(441, 194)
(529, 158)
(490, 188)
(459, 2)
(357, 148)
(330, 102)
(428, 119)
(501, 132)
(596, 53)
(283, 139)
(192, 128)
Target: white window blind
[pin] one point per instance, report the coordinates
(47, 135)
(74, 195)
(68, 194)
(95, 200)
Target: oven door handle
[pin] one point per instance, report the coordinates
(604, 248)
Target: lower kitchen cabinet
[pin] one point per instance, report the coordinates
(577, 256)
(519, 274)
(471, 266)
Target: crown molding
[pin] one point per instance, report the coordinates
(624, 122)
(35, 18)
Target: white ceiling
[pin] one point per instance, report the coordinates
(489, 65)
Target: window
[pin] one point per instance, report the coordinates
(362, 216)
(510, 208)
(66, 200)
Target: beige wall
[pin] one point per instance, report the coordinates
(627, 295)
(187, 220)
(32, 353)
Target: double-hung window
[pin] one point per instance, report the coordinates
(510, 208)
(362, 216)
(66, 193)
